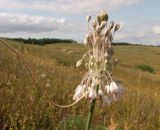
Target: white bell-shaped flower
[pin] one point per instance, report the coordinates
(92, 94)
(79, 92)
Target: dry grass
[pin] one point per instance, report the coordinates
(23, 105)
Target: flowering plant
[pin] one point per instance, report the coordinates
(98, 82)
(98, 61)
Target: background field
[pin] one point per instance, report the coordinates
(24, 106)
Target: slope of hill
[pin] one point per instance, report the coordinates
(23, 104)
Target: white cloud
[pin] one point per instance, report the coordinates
(143, 37)
(156, 30)
(69, 6)
(26, 23)
(114, 4)
(14, 23)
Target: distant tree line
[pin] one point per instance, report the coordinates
(122, 43)
(126, 43)
(43, 41)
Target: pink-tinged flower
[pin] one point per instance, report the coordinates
(107, 88)
(118, 93)
(114, 88)
(79, 92)
(100, 92)
(94, 83)
(92, 94)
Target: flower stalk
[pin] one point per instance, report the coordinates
(91, 109)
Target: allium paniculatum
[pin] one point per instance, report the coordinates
(98, 83)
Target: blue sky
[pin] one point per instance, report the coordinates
(140, 19)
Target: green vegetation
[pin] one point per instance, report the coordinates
(24, 106)
(146, 68)
(42, 41)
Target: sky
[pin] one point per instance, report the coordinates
(139, 19)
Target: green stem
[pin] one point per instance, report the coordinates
(91, 109)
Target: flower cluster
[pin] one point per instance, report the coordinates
(97, 82)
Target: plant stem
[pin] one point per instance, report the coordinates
(91, 109)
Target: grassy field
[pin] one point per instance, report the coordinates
(23, 105)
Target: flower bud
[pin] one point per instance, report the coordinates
(99, 20)
(104, 16)
(111, 25)
(114, 87)
(117, 26)
(107, 88)
(110, 37)
(94, 24)
(92, 58)
(103, 24)
(100, 92)
(105, 54)
(88, 18)
(85, 42)
(79, 63)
